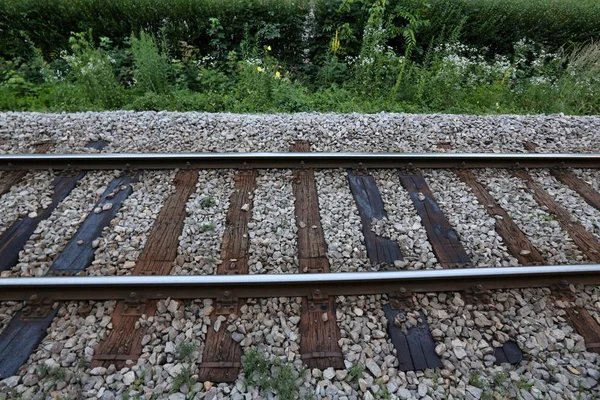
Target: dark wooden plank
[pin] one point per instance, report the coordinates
(222, 356)
(586, 326)
(443, 238)
(19, 339)
(16, 236)
(311, 239)
(221, 359)
(370, 205)
(500, 356)
(509, 353)
(416, 351)
(398, 338)
(234, 249)
(125, 340)
(567, 177)
(319, 332)
(415, 347)
(514, 355)
(161, 247)
(320, 335)
(583, 239)
(427, 343)
(76, 257)
(516, 241)
(585, 190)
(10, 178)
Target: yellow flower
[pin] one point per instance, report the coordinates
(259, 69)
(268, 48)
(335, 43)
(278, 75)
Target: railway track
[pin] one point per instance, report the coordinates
(313, 276)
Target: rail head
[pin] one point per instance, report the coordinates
(331, 284)
(294, 160)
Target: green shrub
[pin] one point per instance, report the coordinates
(49, 23)
(151, 64)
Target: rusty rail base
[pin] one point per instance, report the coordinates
(295, 160)
(311, 285)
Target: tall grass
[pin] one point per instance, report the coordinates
(151, 63)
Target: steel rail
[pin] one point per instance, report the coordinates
(294, 160)
(330, 284)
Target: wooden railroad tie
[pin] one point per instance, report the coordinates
(583, 239)
(566, 176)
(11, 178)
(369, 203)
(319, 332)
(415, 347)
(516, 241)
(29, 326)
(125, 339)
(18, 233)
(221, 360)
(443, 238)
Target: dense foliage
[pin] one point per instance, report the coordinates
(479, 56)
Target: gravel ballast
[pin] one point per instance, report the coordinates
(555, 365)
(272, 229)
(544, 232)
(191, 132)
(475, 227)
(341, 223)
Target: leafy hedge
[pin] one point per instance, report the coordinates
(208, 25)
(218, 26)
(496, 24)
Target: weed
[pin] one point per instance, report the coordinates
(207, 202)
(500, 378)
(209, 227)
(476, 380)
(355, 373)
(523, 384)
(185, 377)
(151, 64)
(270, 374)
(185, 350)
(384, 392)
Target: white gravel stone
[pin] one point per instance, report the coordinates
(54, 232)
(34, 191)
(581, 211)
(544, 232)
(200, 243)
(272, 229)
(474, 226)
(191, 132)
(403, 224)
(341, 223)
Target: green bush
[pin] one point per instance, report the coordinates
(213, 26)
(151, 65)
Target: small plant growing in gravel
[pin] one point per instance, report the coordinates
(185, 350)
(355, 373)
(207, 202)
(523, 384)
(384, 392)
(500, 378)
(476, 380)
(207, 227)
(185, 377)
(266, 374)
